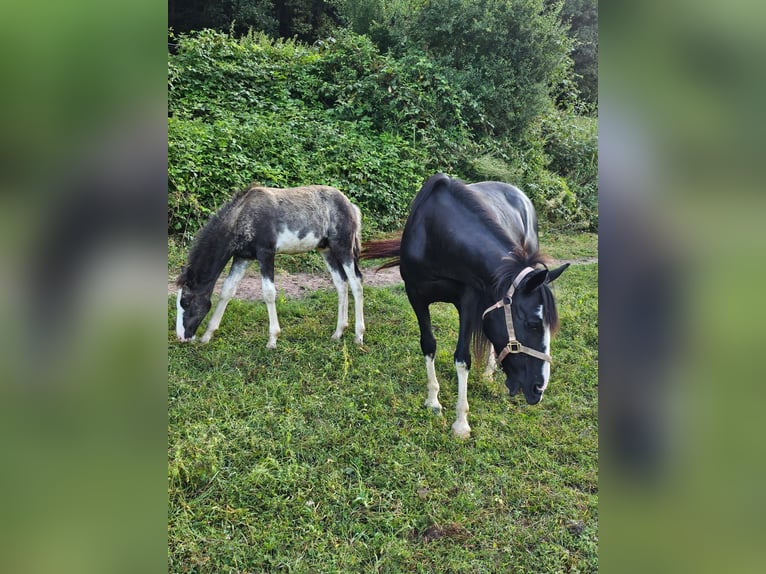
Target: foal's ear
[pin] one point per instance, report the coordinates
(534, 280)
(553, 275)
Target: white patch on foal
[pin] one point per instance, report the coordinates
(180, 318)
(289, 242)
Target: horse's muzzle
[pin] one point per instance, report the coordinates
(513, 387)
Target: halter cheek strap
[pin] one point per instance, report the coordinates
(514, 346)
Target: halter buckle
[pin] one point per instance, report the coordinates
(514, 347)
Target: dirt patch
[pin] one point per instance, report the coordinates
(299, 285)
(451, 530)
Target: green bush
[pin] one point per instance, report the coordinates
(281, 113)
(572, 147)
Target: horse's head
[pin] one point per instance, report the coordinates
(192, 304)
(523, 346)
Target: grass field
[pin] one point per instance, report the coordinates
(320, 456)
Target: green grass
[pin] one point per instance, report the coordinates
(320, 457)
(568, 245)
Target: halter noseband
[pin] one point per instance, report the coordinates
(514, 346)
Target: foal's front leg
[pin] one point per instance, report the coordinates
(229, 289)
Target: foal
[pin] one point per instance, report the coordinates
(257, 224)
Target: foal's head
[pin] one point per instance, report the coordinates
(534, 318)
(192, 304)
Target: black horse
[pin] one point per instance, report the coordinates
(476, 246)
(257, 224)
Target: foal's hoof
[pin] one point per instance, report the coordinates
(435, 407)
(461, 431)
(358, 340)
(271, 345)
(205, 338)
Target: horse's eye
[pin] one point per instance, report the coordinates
(534, 325)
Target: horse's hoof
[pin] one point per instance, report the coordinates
(461, 431)
(205, 339)
(336, 336)
(358, 340)
(271, 345)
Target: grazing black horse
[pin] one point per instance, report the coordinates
(257, 224)
(476, 246)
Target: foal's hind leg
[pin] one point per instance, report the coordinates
(341, 286)
(354, 276)
(229, 289)
(266, 261)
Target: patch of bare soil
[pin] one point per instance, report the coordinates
(298, 285)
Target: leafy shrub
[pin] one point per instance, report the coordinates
(281, 113)
(572, 147)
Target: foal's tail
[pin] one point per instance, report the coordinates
(383, 249)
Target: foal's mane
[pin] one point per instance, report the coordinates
(208, 239)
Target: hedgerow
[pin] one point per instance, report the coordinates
(281, 113)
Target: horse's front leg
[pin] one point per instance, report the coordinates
(460, 427)
(229, 289)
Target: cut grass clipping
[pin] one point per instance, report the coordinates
(320, 456)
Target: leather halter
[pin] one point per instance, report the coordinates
(514, 346)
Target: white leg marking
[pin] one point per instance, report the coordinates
(546, 350)
(489, 370)
(342, 288)
(460, 427)
(356, 289)
(180, 318)
(228, 291)
(432, 400)
(270, 296)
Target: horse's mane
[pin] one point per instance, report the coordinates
(510, 267)
(208, 238)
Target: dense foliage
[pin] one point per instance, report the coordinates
(374, 114)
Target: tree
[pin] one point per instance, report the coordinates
(507, 53)
(582, 18)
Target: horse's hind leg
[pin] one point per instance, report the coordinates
(428, 347)
(229, 289)
(491, 366)
(341, 286)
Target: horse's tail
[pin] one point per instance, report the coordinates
(383, 249)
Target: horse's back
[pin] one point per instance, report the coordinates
(447, 210)
(511, 209)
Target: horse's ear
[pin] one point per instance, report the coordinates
(534, 280)
(553, 275)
